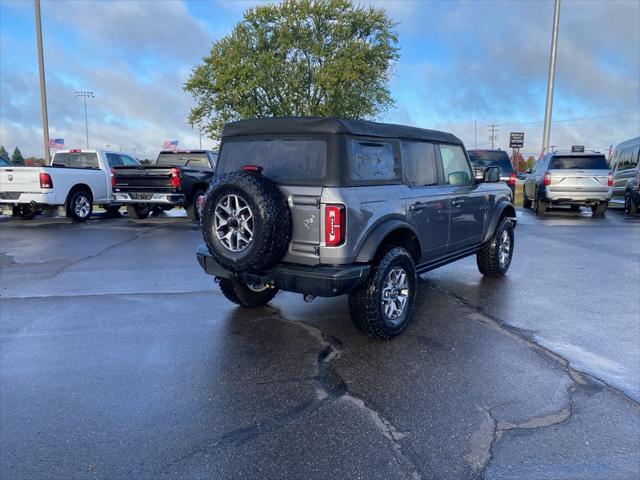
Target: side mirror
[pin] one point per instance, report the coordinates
(492, 174)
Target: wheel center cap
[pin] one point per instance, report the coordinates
(233, 223)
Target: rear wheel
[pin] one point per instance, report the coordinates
(193, 209)
(598, 210)
(79, 206)
(381, 308)
(494, 258)
(540, 206)
(25, 212)
(526, 202)
(246, 295)
(630, 208)
(138, 211)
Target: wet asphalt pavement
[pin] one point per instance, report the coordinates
(119, 358)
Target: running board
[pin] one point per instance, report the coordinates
(425, 267)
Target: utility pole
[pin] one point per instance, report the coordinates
(84, 95)
(43, 88)
(492, 135)
(475, 134)
(200, 126)
(552, 76)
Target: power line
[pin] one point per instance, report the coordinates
(569, 120)
(492, 134)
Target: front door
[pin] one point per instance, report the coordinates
(466, 201)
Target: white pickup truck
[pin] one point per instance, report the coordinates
(77, 179)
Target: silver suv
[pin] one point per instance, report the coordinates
(325, 206)
(569, 178)
(625, 165)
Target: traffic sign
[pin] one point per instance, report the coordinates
(516, 140)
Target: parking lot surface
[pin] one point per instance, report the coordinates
(119, 358)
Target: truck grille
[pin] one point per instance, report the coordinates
(10, 195)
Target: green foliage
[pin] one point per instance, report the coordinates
(17, 158)
(528, 165)
(297, 58)
(3, 152)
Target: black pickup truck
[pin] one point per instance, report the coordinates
(179, 178)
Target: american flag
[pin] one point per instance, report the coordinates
(56, 143)
(170, 144)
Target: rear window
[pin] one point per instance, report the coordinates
(280, 159)
(587, 162)
(183, 158)
(76, 160)
(486, 159)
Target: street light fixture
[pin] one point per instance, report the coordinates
(84, 95)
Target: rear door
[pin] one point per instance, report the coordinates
(428, 201)
(467, 202)
(578, 173)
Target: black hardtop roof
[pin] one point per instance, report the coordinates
(328, 125)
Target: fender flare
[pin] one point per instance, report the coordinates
(377, 234)
(503, 209)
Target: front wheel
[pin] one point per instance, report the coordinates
(381, 308)
(494, 258)
(193, 208)
(246, 295)
(138, 211)
(79, 206)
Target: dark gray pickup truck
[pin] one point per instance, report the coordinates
(326, 206)
(179, 178)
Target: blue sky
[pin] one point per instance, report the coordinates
(460, 63)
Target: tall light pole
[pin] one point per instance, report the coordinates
(43, 89)
(84, 95)
(552, 76)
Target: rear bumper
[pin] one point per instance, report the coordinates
(157, 198)
(576, 197)
(320, 280)
(29, 198)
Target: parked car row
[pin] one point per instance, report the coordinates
(78, 179)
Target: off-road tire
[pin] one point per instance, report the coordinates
(138, 212)
(192, 207)
(598, 210)
(526, 203)
(488, 257)
(73, 199)
(630, 208)
(240, 294)
(271, 217)
(365, 303)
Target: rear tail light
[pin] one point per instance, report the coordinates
(45, 180)
(334, 229)
(113, 177)
(610, 179)
(251, 168)
(176, 181)
(547, 178)
(75, 150)
(512, 179)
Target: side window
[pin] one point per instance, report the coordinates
(372, 161)
(634, 157)
(114, 160)
(419, 163)
(128, 161)
(456, 167)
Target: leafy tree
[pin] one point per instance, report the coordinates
(17, 158)
(297, 58)
(3, 152)
(529, 163)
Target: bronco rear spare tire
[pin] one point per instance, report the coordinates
(246, 222)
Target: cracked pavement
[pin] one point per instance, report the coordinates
(119, 358)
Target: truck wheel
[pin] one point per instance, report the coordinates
(540, 207)
(526, 202)
(112, 211)
(381, 308)
(192, 209)
(246, 222)
(598, 210)
(630, 208)
(138, 212)
(494, 257)
(246, 295)
(79, 206)
(25, 212)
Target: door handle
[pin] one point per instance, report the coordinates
(457, 203)
(418, 206)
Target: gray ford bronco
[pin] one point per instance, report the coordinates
(326, 206)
